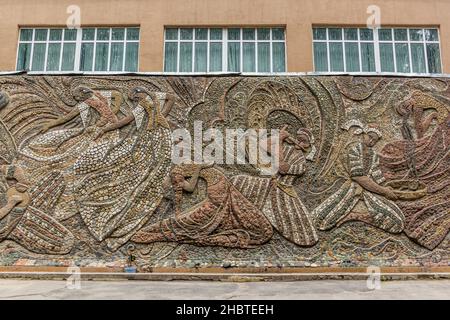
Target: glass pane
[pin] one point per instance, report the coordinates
(279, 57)
(387, 57)
(26, 34)
(320, 34)
(434, 58)
(336, 57)
(170, 57)
(366, 34)
(23, 60)
(401, 34)
(201, 34)
(351, 34)
(234, 34)
(186, 33)
(87, 57)
(385, 34)
(118, 34)
(186, 57)
(38, 57)
(216, 34)
(234, 63)
(116, 59)
(53, 56)
(368, 57)
(132, 34)
(70, 34)
(215, 57)
(402, 57)
(263, 57)
(88, 34)
(277, 34)
(431, 35)
(335, 34)
(171, 34)
(248, 34)
(416, 34)
(56, 35)
(418, 58)
(352, 57)
(200, 64)
(68, 57)
(40, 35)
(263, 34)
(101, 57)
(132, 57)
(249, 57)
(320, 57)
(102, 34)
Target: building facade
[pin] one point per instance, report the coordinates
(226, 36)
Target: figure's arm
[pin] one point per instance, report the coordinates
(101, 97)
(355, 164)
(13, 172)
(12, 202)
(64, 119)
(121, 123)
(170, 101)
(118, 100)
(189, 185)
(427, 122)
(370, 185)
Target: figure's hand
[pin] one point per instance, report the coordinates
(15, 199)
(390, 194)
(284, 134)
(19, 175)
(99, 134)
(45, 128)
(283, 168)
(90, 129)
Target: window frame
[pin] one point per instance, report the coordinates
(78, 43)
(224, 41)
(377, 42)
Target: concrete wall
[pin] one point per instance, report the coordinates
(298, 16)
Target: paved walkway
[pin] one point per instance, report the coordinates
(326, 289)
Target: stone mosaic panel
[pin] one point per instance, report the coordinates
(86, 174)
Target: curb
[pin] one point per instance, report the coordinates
(230, 277)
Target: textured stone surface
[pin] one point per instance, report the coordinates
(86, 173)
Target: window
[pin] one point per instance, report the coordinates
(87, 49)
(397, 50)
(225, 49)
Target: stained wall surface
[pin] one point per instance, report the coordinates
(88, 175)
(298, 17)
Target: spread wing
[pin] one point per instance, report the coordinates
(33, 101)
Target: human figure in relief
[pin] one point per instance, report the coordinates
(363, 185)
(225, 218)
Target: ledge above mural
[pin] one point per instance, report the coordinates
(90, 171)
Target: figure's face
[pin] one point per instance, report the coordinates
(115, 97)
(4, 100)
(138, 95)
(303, 143)
(355, 130)
(82, 94)
(370, 139)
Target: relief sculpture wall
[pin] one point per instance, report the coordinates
(87, 174)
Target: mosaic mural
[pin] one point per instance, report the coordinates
(86, 174)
